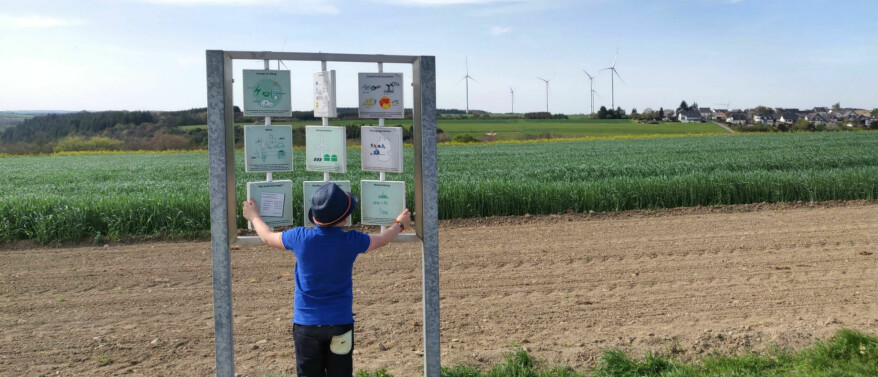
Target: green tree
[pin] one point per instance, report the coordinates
(682, 106)
(620, 114)
(661, 113)
(602, 113)
(874, 113)
(694, 106)
(836, 106)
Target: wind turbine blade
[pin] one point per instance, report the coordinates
(467, 66)
(461, 79)
(586, 73)
(471, 78)
(617, 75)
(596, 93)
(614, 59)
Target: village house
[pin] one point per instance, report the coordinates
(766, 119)
(689, 116)
(788, 117)
(706, 113)
(737, 117)
(817, 119)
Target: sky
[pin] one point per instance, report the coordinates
(150, 54)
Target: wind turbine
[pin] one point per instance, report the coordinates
(591, 85)
(512, 92)
(467, 78)
(547, 92)
(612, 69)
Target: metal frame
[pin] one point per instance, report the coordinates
(223, 200)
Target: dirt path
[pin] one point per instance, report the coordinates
(724, 126)
(566, 287)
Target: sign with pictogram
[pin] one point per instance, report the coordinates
(381, 201)
(325, 149)
(268, 148)
(267, 93)
(324, 94)
(274, 200)
(381, 95)
(381, 149)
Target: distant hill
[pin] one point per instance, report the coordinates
(11, 119)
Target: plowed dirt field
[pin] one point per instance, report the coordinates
(684, 281)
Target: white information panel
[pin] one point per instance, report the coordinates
(274, 200)
(381, 149)
(381, 95)
(326, 149)
(268, 148)
(267, 93)
(308, 188)
(324, 94)
(381, 201)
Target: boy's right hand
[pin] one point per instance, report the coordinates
(250, 211)
(405, 218)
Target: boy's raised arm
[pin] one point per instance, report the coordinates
(251, 213)
(404, 220)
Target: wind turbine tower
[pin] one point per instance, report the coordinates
(547, 93)
(613, 71)
(591, 90)
(512, 93)
(467, 78)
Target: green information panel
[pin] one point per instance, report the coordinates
(308, 188)
(267, 93)
(381, 201)
(274, 201)
(325, 149)
(268, 148)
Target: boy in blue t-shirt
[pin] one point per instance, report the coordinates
(323, 318)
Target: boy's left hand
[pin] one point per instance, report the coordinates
(250, 210)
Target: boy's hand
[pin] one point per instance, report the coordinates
(405, 218)
(250, 211)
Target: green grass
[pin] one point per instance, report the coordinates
(849, 353)
(98, 197)
(519, 129)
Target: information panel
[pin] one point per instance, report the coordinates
(324, 94)
(381, 201)
(267, 93)
(308, 188)
(274, 200)
(325, 149)
(268, 148)
(381, 149)
(381, 95)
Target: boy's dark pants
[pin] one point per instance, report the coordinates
(313, 355)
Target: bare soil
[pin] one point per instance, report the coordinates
(684, 282)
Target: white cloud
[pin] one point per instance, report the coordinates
(288, 6)
(499, 30)
(448, 2)
(35, 21)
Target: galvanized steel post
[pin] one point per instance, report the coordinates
(223, 225)
(427, 203)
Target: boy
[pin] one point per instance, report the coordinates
(323, 318)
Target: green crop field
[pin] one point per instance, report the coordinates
(75, 198)
(518, 129)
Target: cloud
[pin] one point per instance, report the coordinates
(287, 6)
(499, 30)
(448, 2)
(35, 21)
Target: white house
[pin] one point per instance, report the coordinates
(689, 116)
(706, 113)
(788, 118)
(766, 119)
(737, 117)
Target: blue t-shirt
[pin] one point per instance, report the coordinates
(324, 264)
